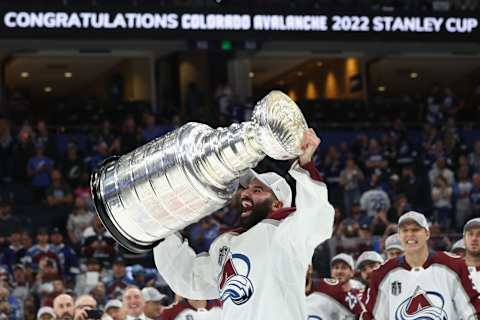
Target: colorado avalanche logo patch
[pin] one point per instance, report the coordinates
(233, 281)
(425, 305)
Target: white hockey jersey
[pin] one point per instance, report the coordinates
(441, 289)
(261, 273)
(184, 311)
(328, 301)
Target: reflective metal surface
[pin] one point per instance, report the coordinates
(169, 183)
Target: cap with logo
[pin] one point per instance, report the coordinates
(458, 245)
(416, 217)
(46, 310)
(274, 181)
(393, 242)
(368, 256)
(472, 223)
(152, 294)
(345, 258)
(114, 303)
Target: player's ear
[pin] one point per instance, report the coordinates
(428, 233)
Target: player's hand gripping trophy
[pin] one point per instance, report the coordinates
(173, 181)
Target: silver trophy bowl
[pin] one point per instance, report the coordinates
(175, 180)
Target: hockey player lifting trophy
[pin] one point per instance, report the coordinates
(175, 180)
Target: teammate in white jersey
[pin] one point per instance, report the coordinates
(336, 298)
(421, 284)
(259, 270)
(471, 236)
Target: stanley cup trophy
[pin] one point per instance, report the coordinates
(173, 181)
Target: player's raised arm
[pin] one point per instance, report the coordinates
(312, 222)
(189, 275)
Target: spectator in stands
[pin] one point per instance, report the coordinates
(83, 191)
(393, 247)
(64, 307)
(411, 187)
(99, 293)
(45, 287)
(88, 279)
(59, 194)
(46, 313)
(130, 136)
(133, 303)
(153, 303)
(368, 262)
(400, 206)
(15, 251)
(461, 194)
(82, 304)
(112, 310)
(440, 169)
(6, 152)
(138, 274)
(23, 150)
(10, 225)
(350, 179)
(27, 240)
(442, 202)
(438, 241)
(39, 168)
(98, 243)
(101, 152)
(120, 280)
(67, 256)
(375, 158)
(380, 223)
(150, 130)
(73, 165)
(374, 199)
(20, 286)
(475, 195)
(474, 157)
(332, 167)
(9, 307)
(46, 139)
(41, 250)
(78, 221)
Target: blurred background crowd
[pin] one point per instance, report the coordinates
(398, 119)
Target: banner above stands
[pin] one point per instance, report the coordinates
(171, 24)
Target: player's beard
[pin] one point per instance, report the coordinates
(259, 212)
(472, 253)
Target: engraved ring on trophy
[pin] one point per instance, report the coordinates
(175, 180)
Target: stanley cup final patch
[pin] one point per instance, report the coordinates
(396, 288)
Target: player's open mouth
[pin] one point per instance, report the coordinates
(412, 241)
(246, 208)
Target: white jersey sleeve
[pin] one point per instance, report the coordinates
(189, 275)
(312, 222)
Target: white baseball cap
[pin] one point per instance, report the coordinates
(458, 245)
(114, 303)
(416, 217)
(368, 256)
(152, 294)
(274, 181)
(345, 258)
(472, 223)
(393, 242)
(46, 310)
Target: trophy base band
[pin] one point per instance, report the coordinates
(105, 218)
